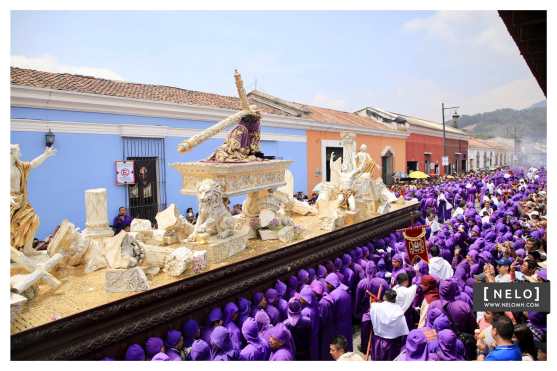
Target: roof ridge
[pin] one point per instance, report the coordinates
(121, 81)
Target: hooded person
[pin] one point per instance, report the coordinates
(537, 323)
(310, 310)
(162, 357)
(271, 296)
(256, 349)
(200, 351)
(190, 332)
(416, 347)
(447, 349)
(263, 324)
(259, 301)
(221, 345)
(389, 328)
(281, 304)
(430, 293)
(153, 345)
(280, 341)
(327, 327)
(303, 278)
(231, 312)
(342, 308)
(292, 284)
(301, 331)
(213, 320)
(135, 352)
(348, 272)
(175, 346)
(244, 307)
(368, 290)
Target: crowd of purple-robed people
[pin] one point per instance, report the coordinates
(404, 311)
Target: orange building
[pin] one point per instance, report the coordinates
(385, 141)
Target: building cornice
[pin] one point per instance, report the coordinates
(414, 129)
(25, 96)
(130, 130)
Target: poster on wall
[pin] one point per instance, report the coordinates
(124, 173)
(445, 160)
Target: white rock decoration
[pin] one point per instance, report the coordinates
(94, 257)
(96, 209)
(167, 218)
(120, 254)
(287, 234)
(268, 234)
(155, 255)
(126, 280)
(266, 216)
(141, 229)
(178, 261)
(200, 261)
(140, 225)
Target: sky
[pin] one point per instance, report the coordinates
(402, 61)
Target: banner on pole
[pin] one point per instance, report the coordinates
(415, 243)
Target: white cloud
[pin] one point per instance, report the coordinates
(481, 29)
(517, 94)
(322, 100)
(49, 63)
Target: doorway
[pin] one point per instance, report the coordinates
(329, 151)
(411, 166)
(147, 196)
(387, 168)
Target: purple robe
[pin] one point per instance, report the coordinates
(326, 326)
(285, 351)
(257, 349)
(221, 346)
(342, 309)
(200, 351)
(416, 347)
(310, 310)
(447, 349)
(230, 310)
(214, 315)
(300, 328)
(135, 352)
(120, 223)
(174, 355)
(386, 349)
(190, 332)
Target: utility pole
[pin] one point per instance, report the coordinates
(455, 117)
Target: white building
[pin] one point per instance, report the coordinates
(484, 154)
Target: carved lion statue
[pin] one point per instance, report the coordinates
(214, 218)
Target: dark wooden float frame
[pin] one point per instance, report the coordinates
(90, 334)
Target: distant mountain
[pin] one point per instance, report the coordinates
(530, 122)
(540, 104)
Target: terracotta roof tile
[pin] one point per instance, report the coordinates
(93, 85)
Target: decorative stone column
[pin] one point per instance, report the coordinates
(96, 214)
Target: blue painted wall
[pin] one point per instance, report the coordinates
(86, 161)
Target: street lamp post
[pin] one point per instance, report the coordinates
(455, 117)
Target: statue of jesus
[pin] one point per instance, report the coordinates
(364, 163)
(23, 220)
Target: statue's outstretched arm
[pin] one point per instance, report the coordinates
(37, 161)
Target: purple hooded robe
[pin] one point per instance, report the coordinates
(342, 309)
(257, 349)
(221, 346)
